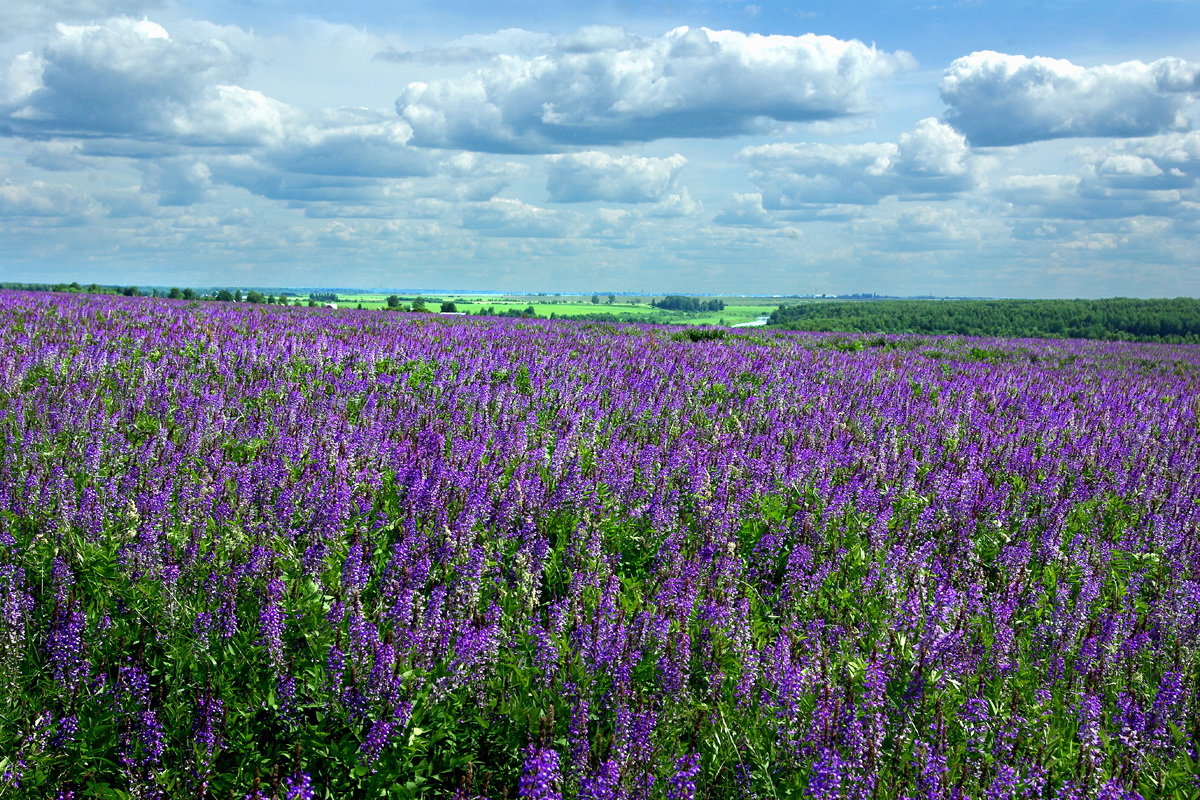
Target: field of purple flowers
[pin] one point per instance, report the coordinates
(287, 553)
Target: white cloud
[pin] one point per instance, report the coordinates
(21, 78)
(591, 175)
(178, 181)
(595, 39)
(932, 160)
(39, 200)
(1171, 161)
(56, 156)
(1079, 197)
(234, 116)
(356, 142)
(676, 204)
(746, 210)
(20, 16)
(512, 218)
(513, 41)
(472, 48)
(265, 179)
(933, 152)
(130, 79)
(611, 224)
(1000, 99)
(920, 229)
(687, 83)
(1142, 178)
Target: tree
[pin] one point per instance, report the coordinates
(175, 293)
(255, 296)
(189, 294)
(393, 302)
(448, 307)
(595, 299)
(612, 298)
(271, 299)
(237, 296)
(131, 291)
(419, 304)
(225, 296)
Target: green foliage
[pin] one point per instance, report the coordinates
(677, 302)
(700, 335)
(1176, 320)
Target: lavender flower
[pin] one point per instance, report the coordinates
(299, 787)
(540, 779)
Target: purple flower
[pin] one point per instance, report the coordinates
(604, 784)
(540, 779)
(299, 787)
(682, 785)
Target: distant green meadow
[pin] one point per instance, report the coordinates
(737, 309)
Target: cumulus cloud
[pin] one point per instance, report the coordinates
(178, 181)
(920, 229)
(746, 210)
(21, 16)
(473, 177)
(1171, 161)
(1080, 197)
(361, 182)
(932, 160)
(127, 89)
(473, 48)
(354, 142)
(512, 41)
(1000, 99)
(513, 218)
(56, 157)
(687, 83)
(1127, 179)
(258, 176)
(128, 78)
(676, 204)
(595, 39)
(591, 175)
(39, 200)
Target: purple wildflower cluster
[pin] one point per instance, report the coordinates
(289, 553)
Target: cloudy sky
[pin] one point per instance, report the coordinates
(953, 147)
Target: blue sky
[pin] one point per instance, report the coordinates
(964, 147)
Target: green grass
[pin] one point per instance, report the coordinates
(737, 310)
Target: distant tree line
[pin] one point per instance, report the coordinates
(419, 304)
(679, 302)
(91, 288)
(1126, 319)
(236, 296)
(529, 312)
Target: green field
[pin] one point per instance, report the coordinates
(638, 308)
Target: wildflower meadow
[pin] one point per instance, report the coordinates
(267, 552)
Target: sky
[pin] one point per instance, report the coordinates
(960, 147)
